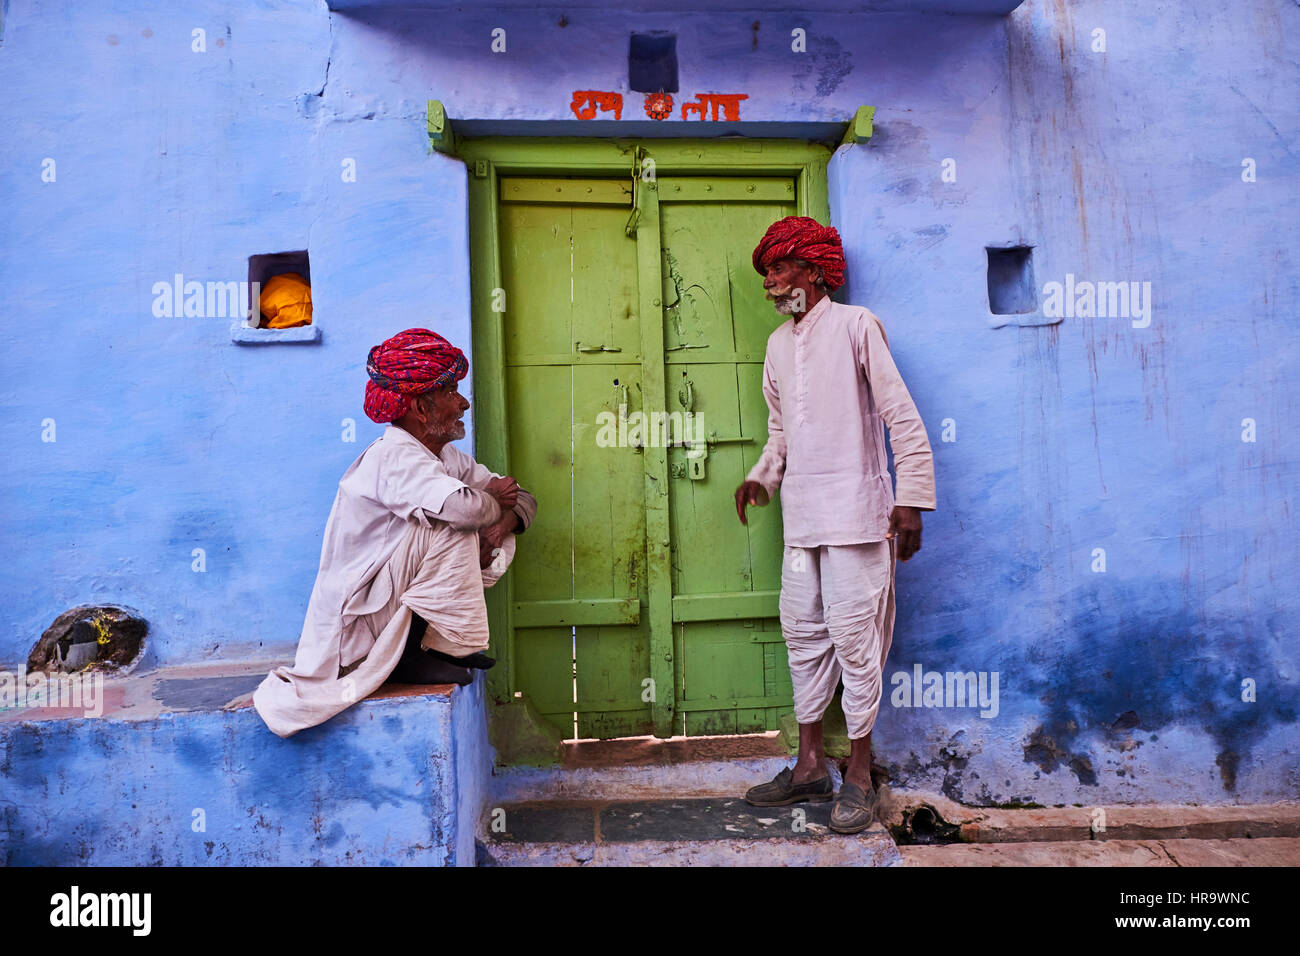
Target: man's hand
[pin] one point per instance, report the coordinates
(497, 532)
(905, 524)
(749, 493)
(494, 536)
(505, 490)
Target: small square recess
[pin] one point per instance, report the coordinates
(261, 268)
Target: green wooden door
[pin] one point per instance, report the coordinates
(629, 330)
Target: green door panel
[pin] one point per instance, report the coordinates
(726, 576)
(572, 335)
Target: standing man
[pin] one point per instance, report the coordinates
(831, 387)
(417, 531)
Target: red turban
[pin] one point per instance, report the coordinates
(798, 237)
(408, 364)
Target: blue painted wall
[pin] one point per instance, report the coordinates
(390, 782)
(1123, 165)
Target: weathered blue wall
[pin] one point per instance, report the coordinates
(1123, 165)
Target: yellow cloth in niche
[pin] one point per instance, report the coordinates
(286, 301)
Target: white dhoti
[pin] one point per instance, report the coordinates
(434, 572)
(837, 616)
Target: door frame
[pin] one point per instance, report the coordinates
(486, 161)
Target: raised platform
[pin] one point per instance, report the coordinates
(166, 774)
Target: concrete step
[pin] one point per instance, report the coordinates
(680, 831)
(1270, 851)
(1094, 823)
(688, 794)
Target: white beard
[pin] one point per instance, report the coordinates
(783, 302)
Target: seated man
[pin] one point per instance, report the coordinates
(417, 531)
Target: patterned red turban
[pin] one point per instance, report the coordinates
(408, 364)
(798, 237)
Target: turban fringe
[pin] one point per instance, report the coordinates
(799, 237)
(408, 364)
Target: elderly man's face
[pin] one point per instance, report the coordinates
(792, 285)
(444, 408)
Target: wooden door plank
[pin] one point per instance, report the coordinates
(542, 450)
(580, 612)
(728, 189)
(609, 536)
(491, 443)
(719, 308)
(726, 605)
(766, 541)
(567, 192)
(659, 595)
(538, 304)
(612, 666)
(545, 661)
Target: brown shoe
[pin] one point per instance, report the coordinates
(782, 791)
(854, 809)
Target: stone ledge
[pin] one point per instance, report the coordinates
(169, 775)
(241, 334)
(189, 688)
(1122, 822)
(872, 848)
(1158, 853)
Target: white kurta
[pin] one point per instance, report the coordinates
(831, 388)
(380, 540)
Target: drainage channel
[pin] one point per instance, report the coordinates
(924, 826)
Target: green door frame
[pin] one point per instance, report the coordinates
(487, 160)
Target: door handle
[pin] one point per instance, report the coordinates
(736, 440)
(711, 440)
(620, 393)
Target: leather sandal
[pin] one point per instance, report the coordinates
(854, 809)
(782, 791)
